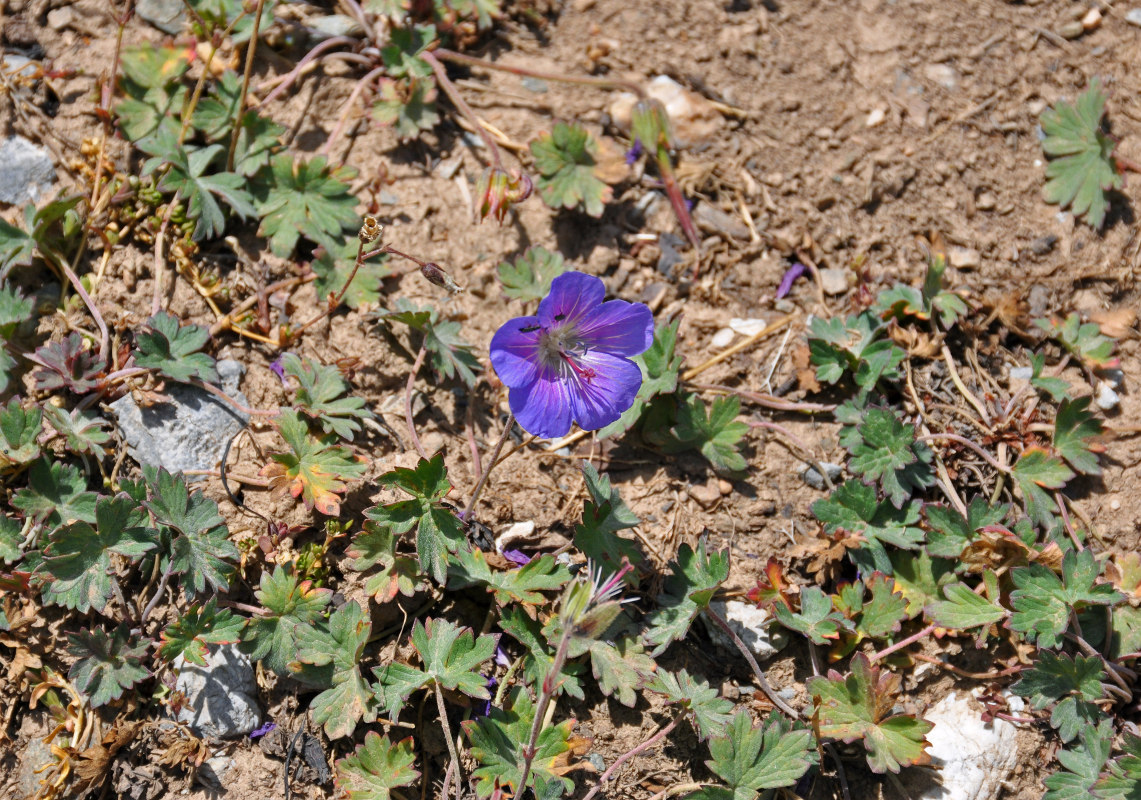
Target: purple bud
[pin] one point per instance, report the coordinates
(517, 557)
(263, 730)
(278, 368)
(790, 276)
(634, 153)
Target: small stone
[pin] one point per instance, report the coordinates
(773, 179)
(1115, 504)
(814, 479)
(1021, 373)
(1107, 399)
(713, 220)
(1133, 17)
(447, 168)
(747, 327)
(190, 430)
(1115, 376)
(944, 75)
(706, 494)
(597, 762)
(36, 754)
(1092, 19)
(824, 133)
(28, 171)
(1043, 244)
(1071, 30)
(330, 25)
(1036, 106)
(671, 256)
(875, 118)
(972, 757)
(753, 625)
(536, 85)
(725, 487)
(166, 15)
(722, 338)
(212, 773)
(730, 691)
(834, 280)
(963, 257)
(221, 698)
(693, 119)
(60, 18)
(985, 202)
(515, 534)
(654, 295)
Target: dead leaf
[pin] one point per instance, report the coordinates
(569, 760)
(92, 764)
(1116, 323)
(610, 162)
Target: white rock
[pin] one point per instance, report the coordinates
(1133, 16)
(1092, 19)
(513, 534)
(747, 327)
(944, 75)
(875, 117)
(834, 281)
(1107, 399)
(1021, 373)
(973, 757)
(964, 257)
(754, 626)
(221, 698)
(722, 338)
(693, 119)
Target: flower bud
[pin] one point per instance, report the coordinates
(498, 190)
(435, 274)
(650, 124)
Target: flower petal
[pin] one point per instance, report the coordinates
(515, 351)
(573, 295)
(542, 408)
(618, 327)
(603, 399)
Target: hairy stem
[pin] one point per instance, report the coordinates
(158, 593)
(289, 78)
(251, 50)
(470, 509)
(104, 334)
(456, 765)
(336, 300)
(581, 80)
(646, 745)
(902, 643)
(546, 693)
(763, 682)
(462, 106)
(954, 437)
(408, 398)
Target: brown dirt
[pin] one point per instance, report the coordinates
(959, 85)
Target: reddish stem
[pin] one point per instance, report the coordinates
(902, 643)
(408, 399)
(622, 759)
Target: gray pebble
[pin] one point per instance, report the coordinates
(834, 281)
(28, 171)
(166, 15)
(1133, 17)
(221, 698)
(814, 479)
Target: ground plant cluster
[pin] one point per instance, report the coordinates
(434, 547)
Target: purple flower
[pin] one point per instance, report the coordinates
(634, 153)
(790, 276)
(517, 557)
(263, 730)
(277, 366)
(571, 361)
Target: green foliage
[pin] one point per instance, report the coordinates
(408, 105)
(540, 657)
(816, 619)
(603, 515)
(1083, 763)
(438, 531)
(857, 707)
(376, 767)
(1035, 472)
(950, 532)
(449, 354)
(565, 159)
(1084, 341)
(711, 713)
(349, 699)
(660, 366)
(199, 546)
(107, 665)
(1072, 683)
(17, 248)
(271, 637)
(315, 468)
(903, 301)
(306, 199)
(529, 278)
(675, 427)
(1043, 602)
(11, 539)
(83, 431)
(854, 507)
(376, 544)
(67, 364)
(221, 15)
(497, 743)
(751, 759)
(1082, 169)
(1123, 778)
(20, 429)
(173, 349)
(693, 580)
(1056, 388)
(319, 396)
(853, 346)
(522, 585)
(621, 667)
(55, 494)
(198, 627)
(1074, 426)
(878, 615)
(888, 454)
(963, 609)
(334, 264)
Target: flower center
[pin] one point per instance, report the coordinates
(561, 349)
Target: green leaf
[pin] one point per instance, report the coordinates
(890, 456)
(77, 557)
(883, 613)
(1058, 675)
(522, 585)
(172, 349)
(621, 668)
(920, 578)
(258, 141)
(1074, 426)
(1057, 388)
(950, 532)
(449, 354)
(67, 364)
(376, 768)
(711, 712)
(603, 515)
(718, 436)
(1035, 472)
(150, 113)
(201, 550)
(497, 743)
(816, 619)
(272, 637)
(752, 759)
(401, 55)
(438, 531)
(540, 658)
(228, 15)
(315, 468)
(853, 345)
(452, 656)
(693, 580)
(408, 105)
(17, 248)
(215, 113)
(1043, 603)
(376, 544)
(1083, 764)
(1083, 169)
(1084, 341)
(11, 539)
(856, 707)
(15, 309)
(334, 265)
(853, 507)
(55, 494)
(198, 627)
(963, 609)
(565, 159)
(319, 396)
(107, 665)
(349, 700)
(529, 278)
(307, 199)
(1123, 778)
(397, 683)
(152, 66)
(19, 430)
(82, 430)
(660, 365)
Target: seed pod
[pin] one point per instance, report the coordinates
(370, 231)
